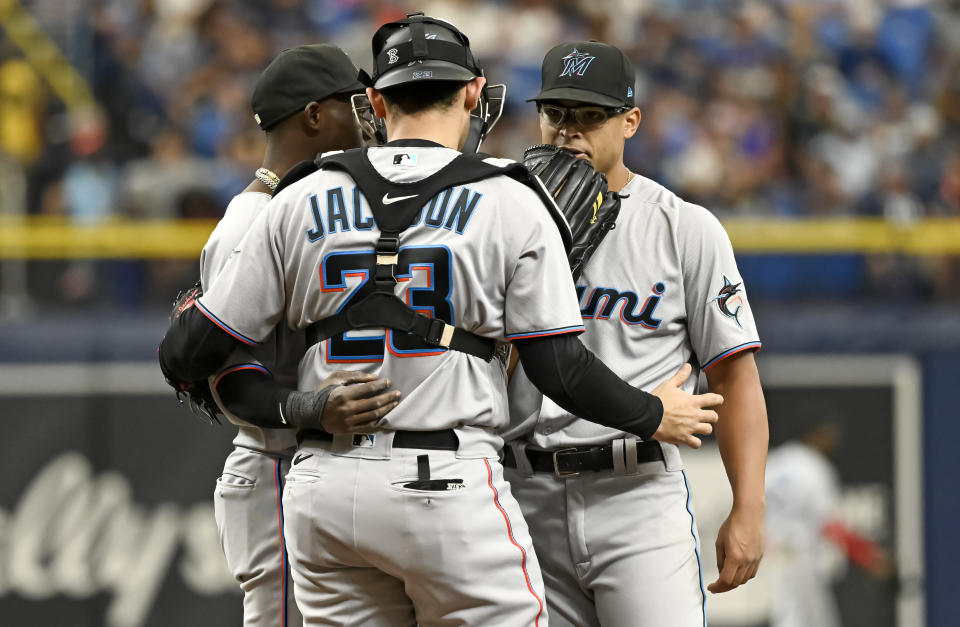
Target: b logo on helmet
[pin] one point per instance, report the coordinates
(576, 63)
(392, 56)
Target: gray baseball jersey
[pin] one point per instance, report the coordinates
(366, 546)
(661, 290)
(487, 257)
(248, 493)
(279, 354)
(622, 549)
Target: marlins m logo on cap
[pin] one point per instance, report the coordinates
(576, 63)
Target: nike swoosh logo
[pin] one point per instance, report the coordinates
(300, 457)
(389, 201)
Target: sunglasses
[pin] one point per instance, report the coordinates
(584, 117)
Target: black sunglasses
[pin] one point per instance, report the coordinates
(584, 117)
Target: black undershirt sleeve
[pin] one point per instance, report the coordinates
(255, 397)
(194, 347)
(564, 369)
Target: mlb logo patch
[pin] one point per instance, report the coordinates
(364, 440)
(405, 159)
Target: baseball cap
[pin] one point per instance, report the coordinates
(299, 76)
(590, 72)
(421, 48)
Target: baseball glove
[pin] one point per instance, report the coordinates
(581, 194)
(196, 394)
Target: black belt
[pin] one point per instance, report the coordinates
(569, 462)
(445, 440)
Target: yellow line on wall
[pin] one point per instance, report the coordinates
(38, 238)
(58, 238)
(932, 236)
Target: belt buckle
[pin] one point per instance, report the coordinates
(564, 474)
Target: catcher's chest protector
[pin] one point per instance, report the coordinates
(394, 207)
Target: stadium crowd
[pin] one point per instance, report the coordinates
(751, 108)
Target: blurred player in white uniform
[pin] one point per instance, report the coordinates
(301, 100)
(412, 521)
(803, 494)
(803, 516)
(617, 542)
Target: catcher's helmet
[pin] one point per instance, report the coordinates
(420, 48)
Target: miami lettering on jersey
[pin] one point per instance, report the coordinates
(601, 303)
(451, 209)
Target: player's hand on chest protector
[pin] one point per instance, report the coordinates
(581, 194)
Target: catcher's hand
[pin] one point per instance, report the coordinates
(196, 394)
(581, 194)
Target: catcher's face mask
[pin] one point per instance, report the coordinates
(482, 119)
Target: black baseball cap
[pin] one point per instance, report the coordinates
(299, 76)
(421, 48)
(590, 72)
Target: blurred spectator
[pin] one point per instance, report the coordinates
(153, 185)
(749, 107)
(795, 107)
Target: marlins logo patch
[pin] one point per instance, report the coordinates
(576, 63)
(729, 300)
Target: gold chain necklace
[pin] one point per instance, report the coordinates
(268, 178)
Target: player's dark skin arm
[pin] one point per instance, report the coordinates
(194, 348)
(564, 369)
(346, 402)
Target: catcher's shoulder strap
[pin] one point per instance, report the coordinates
(381, 307)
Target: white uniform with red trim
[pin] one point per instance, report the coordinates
(365, 548)
(803, 497)
(619, 547)
(247, 499)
